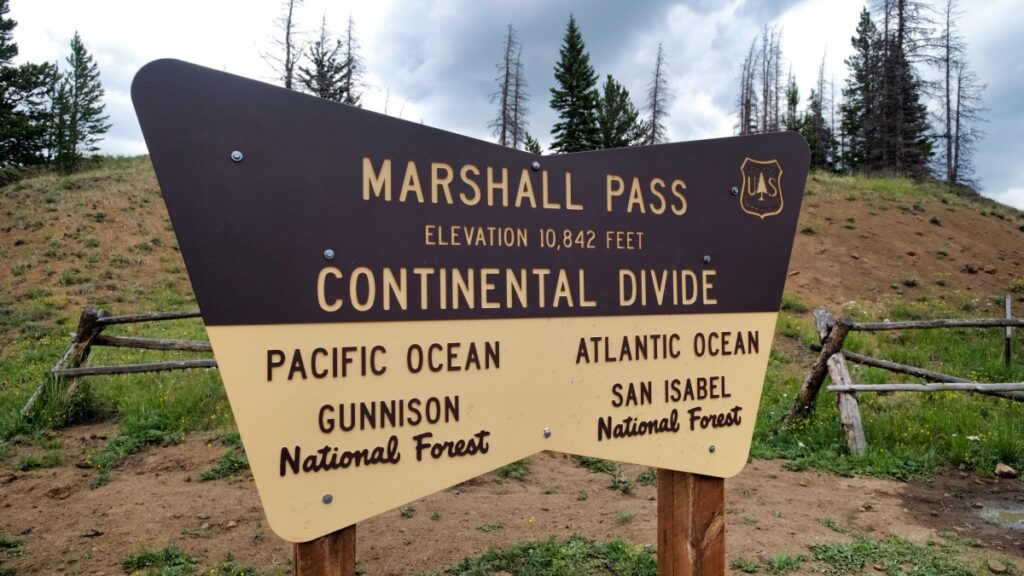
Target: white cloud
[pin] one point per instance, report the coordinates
(1011, 197)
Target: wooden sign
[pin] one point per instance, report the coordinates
(396, 309)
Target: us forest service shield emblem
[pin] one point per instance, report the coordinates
(761, 195)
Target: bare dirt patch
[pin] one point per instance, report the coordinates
(156, 500)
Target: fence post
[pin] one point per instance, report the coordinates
(804, 400)
(89, 327)
(1009, 333)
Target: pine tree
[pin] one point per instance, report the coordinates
(24, 104)
(323, 76)
(658, 96)
(8, 48)
(903, 144)
(530, 144)
(859, 110)
(79, 122)
(618, 119)
(575, 96)
(352, 80)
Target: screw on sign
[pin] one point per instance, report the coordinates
(482, 296)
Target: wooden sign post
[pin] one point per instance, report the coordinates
(330, 555)
(395, 309)
(691, 524)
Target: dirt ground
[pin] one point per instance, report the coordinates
(155, 500)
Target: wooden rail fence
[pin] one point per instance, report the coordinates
(832, 361)
(71, 366)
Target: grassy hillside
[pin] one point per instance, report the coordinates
(870, 248)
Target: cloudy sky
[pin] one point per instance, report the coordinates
(435, 61)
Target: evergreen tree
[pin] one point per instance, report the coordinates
(658, 96)
(323, 76)
(860, 107)
(25, 112)
(530, 144)
(575, 96)
(903, 145)
(79, 122)
(8, 48)
(24, 104)
(618, 119)
(352, 80)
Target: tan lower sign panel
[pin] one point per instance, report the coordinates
(395, 309)
(452, 400)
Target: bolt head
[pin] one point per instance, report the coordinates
(328, 498)
(707, 259)
(735, 191)
(547, 432)
(237, 155)
(711, 448)
(328, 254)
(535, 165)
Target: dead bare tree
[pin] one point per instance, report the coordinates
(288, 47)
(658, 97)
(509, 124)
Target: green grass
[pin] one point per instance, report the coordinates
(575, 556)
(167, 561)
(10, 547)
(597, 464)
(894, 555)
(746, 566)
(515, 471)
(36, 461)
(648, 477)
(171, 561)
(784, 563)
(228, 567)
(908, 434)
(232, 462)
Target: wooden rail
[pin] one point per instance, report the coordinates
(832, 359)
(91, 324)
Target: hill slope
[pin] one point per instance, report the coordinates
(102, 238)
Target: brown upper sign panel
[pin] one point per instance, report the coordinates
(390, 198)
